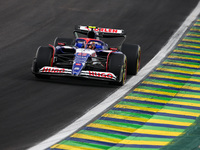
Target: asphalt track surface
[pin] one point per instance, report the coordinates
(32, 110)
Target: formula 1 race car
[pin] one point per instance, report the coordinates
(88, 55)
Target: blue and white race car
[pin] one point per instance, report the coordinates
(89, 56)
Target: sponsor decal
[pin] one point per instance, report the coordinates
(106, 30)
(114, 49)
(78, 64)
(82, 54)
(101, 74)
(76, 68)
(107, 75)
(62, 44)
(53, 70)
(109, 30)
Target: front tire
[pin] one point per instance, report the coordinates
(44, 57)
(133, 54)
(118, 66)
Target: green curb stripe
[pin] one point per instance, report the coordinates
(158, 98)
(129, 114)
(148, 139)
(173, 119)
(193, 34)
(187, 49)
(100, 134)
(190, 93)
(175, 84)
(195, 88)
(186, 100)
(197, 25)
(140, 104)
(176, 69)
(189, 46)
(160, 108)
(195, 29)
(191, 38)
(182, 109)
(186, 52)
(184, 56)
(180, 62)
(171, 74)
(116, 124)
(161, 128)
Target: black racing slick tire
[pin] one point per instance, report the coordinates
(133, 54)
(118, 66)
(44, 57)
(63, 42)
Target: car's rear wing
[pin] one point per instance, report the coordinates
(100, 32)
(113, 37)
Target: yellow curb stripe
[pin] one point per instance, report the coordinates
(193, 29)
(187, 40)
(184, 103)
(179, 57)
(69, 147)
(155, 92)
(193, 79)
(169, 122)
(189, 46)
(162, 84)
(136, 108)
(168, 77)
(186, 52)
(112, 140)
(157, 132)
(96, 138)
(191, 88)
(139, 142)
(187, 95)
(195, 35)
(171, 85)
(198, 25)
(178, 71)
(145, 99)
(109, 127)
(197, 73)
(124, 117)
(179, 112)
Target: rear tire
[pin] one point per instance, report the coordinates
(118, 66)
(133, 53)
(43, 58)
(65, 41)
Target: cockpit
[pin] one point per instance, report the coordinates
(89, 43)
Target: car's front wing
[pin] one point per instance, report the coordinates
(84, 73)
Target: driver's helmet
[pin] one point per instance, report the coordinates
(91, 45)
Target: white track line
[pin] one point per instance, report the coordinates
(124, 89)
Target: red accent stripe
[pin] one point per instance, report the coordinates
(53, 54)
(107, 61)
(62, 44)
